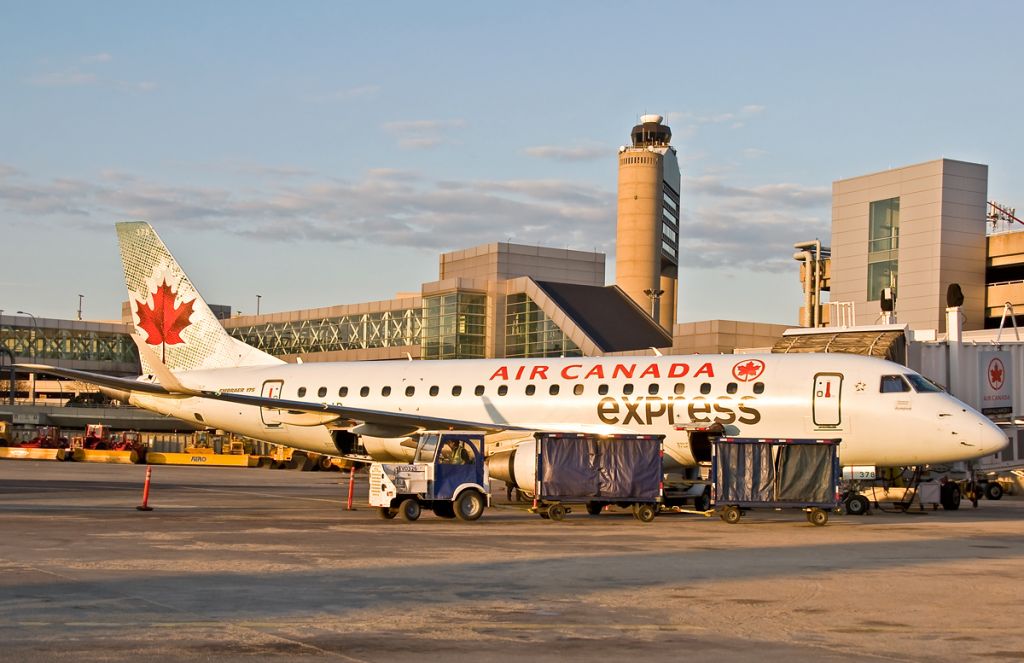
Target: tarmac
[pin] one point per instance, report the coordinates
(249, 564)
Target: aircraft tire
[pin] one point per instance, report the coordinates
(409, 510)
(702, 502)
(469, 505)
(993, 490)
(857, 505)
(595, 508)
(949, 496)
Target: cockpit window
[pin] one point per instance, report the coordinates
(892, 384)
(921, 384)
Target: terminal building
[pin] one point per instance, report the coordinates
(913, 230)
(916, 230)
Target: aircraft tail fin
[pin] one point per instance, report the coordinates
(168, 312)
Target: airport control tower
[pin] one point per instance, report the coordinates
(647, 235)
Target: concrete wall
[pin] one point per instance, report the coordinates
(723, 336)
(503, 261)
(941, 240)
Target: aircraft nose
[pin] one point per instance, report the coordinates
(991, 438)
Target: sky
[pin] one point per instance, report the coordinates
(323, 153)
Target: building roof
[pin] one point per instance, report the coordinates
(608, 316)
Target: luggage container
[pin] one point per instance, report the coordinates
(597, 470)
(758, 473)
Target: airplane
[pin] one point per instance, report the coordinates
(886, 414)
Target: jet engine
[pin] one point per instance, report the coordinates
(517, 467)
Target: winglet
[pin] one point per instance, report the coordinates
(163, 374)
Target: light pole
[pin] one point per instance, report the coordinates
(258, 298)
(35, 325)
(655, 295)
(80, 298)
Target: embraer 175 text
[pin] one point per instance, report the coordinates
(886, 414)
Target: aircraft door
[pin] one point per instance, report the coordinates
(827, 410)
(271, 416)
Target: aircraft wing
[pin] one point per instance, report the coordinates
(175, 389)
(125, 384)
(354, 415)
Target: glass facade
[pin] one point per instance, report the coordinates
(670, 223)
(383, 329)
(530, 333)
(883, 246)
(27, 342)
(454, 326)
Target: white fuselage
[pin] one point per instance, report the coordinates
(773, 395)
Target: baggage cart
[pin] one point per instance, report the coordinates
(758, 473)
(597, 470)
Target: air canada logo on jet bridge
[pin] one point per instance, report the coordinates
(162, 321)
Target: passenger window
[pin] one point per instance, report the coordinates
(502, 390)
(731, 388)
(479, 391)
(456, 390)
(705, 388)
(364, 392)
(343, 392)
(627, 389)
(302, 392)
(434, 390)
(759, 387)
(892, 384)
(553, 390)
(578, 390)
(321, 392)
(679, 388)
(652, 389)
(531, 389)
(602, 389)
(410, 390)
(386, 391)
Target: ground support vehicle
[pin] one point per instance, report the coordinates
(597, 470)
(48, 444)
(753, 473)
(448, 476)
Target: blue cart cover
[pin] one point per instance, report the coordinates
(746, 472)
(614, 467)
(805, 473)
(570, 467)
(630, 468)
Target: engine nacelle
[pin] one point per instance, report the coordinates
(517, 467)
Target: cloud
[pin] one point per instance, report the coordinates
(383, 207)
(421, 134)
(726, 226)
(563, 153)
(723, 224)
(97, 58)
(689, 122)
(71, 78)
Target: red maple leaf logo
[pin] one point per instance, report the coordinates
(745, 371)
(163, 322)
(995, 374)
